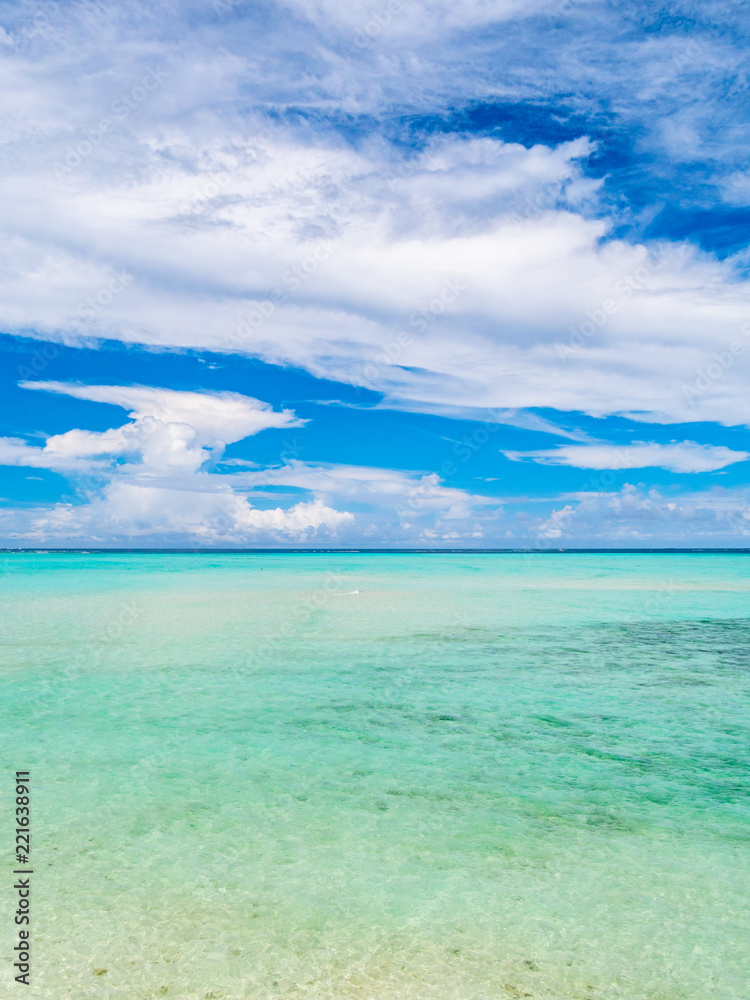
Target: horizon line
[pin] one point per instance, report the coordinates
(46, 550)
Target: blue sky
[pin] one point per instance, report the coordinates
(380, 274)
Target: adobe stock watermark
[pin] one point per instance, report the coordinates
(561, 521)
(219, 180)
(320, 597)
(535, 207)
(294, 278)
(290, 451)
(87, 310)
(93, 648)
(463, 451)
(224, 7)
(699, 46)
(377, 23)
(720, 364)
(597, 318)
(428, 489)
(420, 320)
(122, 107)
(701, 43)
(399, 680)
(563, 9)
(40, 21)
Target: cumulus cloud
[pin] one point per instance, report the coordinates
(210, 508)
(396, 502)
(14, 451)
(635, 516)
(685, 456)
(149, 479)
(131, 513)
(144, 478)
(169, 429)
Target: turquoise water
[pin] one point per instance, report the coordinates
(382, 776)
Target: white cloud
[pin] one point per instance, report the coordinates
(170, 430)
(252, 234)
(394, 496)
(14, 451)
(147, 479)
(131, 513)
(143, 479)
(302, 517)
(635, 516)
(329, 260)
(217, 416)
(211, 508)
(685, 456)
(369, 22)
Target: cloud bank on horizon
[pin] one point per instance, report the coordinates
(375, 273)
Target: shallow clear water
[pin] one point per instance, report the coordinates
(383, 776)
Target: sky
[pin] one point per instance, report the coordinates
(375, 273)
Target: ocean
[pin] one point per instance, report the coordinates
(436, 776)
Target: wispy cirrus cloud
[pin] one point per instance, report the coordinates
(684, 456)
(211, 204)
